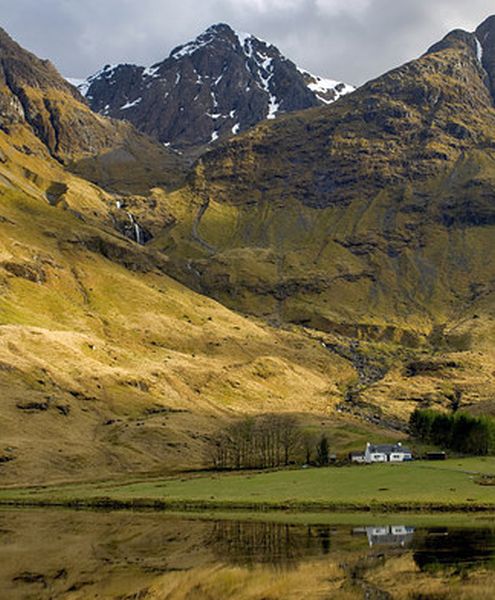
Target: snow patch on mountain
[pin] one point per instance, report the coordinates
(243, 37)
(81, 84)
(273, 107)
(131, 104)
(326, 90)
(152, 71)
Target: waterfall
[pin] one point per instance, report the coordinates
(138, 234)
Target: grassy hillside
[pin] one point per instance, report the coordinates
(358, 237)
(108, 365)
(369, 221)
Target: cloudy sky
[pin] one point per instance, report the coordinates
(351, 40)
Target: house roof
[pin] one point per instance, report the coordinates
(388, 449)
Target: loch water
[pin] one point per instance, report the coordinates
(63, 554)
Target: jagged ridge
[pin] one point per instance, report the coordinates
(216, 86)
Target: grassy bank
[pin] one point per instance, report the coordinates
(457, 519)
(443, 486)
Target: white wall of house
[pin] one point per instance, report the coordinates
(379, 457)
(376, 457)
(400, 457)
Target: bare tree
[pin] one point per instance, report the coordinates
(266, 441)
(290, 437)
(309, 441)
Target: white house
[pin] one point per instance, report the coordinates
(383, 453)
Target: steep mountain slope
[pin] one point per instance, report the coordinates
(47, 130)
(362, 231)
(109, 366)
(35, 101)
(372, 218)
(220, 84)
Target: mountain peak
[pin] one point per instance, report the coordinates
(219, 29)
(220, 32)
(215, 86)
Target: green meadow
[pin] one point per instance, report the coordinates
(457, 484)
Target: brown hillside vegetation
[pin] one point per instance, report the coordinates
(107, 365)
(372, 219)
(358, 237)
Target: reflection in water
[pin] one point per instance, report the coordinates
(455, 549)
(394, 535)
(48, 554)
(278, 544)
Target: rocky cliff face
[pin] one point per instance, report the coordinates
(36, 101)
(221, 84)
(372, 215)
(32, 93)
(485, 48)
(405, 126)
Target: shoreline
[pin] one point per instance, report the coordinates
(260, 507)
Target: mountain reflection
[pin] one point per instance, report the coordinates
(52, 555)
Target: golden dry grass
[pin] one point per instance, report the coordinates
(402, 578)
(312, 581)
(132, 368)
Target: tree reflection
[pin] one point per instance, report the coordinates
(455, 549)
(250, 543)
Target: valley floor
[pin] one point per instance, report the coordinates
(457, 484)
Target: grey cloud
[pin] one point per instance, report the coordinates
(351, 40)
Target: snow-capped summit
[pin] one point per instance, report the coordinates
(215, 86)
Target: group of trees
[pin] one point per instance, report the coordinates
(265, 441)
(459, 431)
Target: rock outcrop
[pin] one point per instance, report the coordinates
(36, 98)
